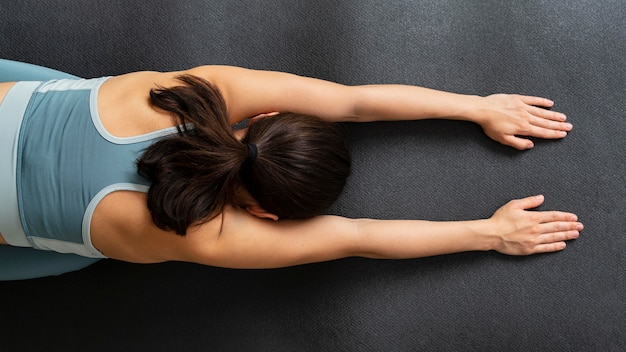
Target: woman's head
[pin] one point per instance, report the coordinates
(299, 170)
(301, 165)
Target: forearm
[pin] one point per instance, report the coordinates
(402, 102)
(397, 239)
(511, 230)
(504, 118)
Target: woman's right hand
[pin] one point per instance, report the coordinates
(523, 232)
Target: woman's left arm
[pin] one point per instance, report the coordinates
(504, 118)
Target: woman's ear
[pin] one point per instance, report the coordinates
(260, 212)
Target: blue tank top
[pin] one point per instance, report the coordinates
(67, 163)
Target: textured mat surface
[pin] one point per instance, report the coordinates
(570, 52)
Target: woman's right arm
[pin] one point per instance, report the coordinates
(504, 118)
(248, 242)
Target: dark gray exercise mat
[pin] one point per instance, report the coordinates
(571, 52)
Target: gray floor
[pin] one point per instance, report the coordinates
(571, 52)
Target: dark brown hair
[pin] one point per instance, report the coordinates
(299, 171)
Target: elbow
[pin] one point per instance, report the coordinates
(363, 243)
(348, 100)
(360, 106)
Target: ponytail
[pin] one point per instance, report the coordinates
(194, 174)
(295, 166)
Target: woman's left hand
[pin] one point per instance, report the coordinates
(507, 118)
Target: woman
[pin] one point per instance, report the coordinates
(128, 222)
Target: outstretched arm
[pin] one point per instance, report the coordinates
(248, 242)
(504, 118)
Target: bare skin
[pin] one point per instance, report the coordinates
(246, 237)
(4, 88)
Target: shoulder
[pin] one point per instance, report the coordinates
(136, 86)
(246, 241)
(141, 81)
(166, 79)
(122, 229)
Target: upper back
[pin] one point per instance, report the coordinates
(122, 228)
(122, 107)
(124, 104)
(67, 162)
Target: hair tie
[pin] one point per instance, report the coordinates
(253, 152)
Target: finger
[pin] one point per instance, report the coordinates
(254, 119)
(260, 116)
(560, 236)
(517, 142)
(537, 101)
(552, 216)
(547, 231)
(555, 241)
(546, 114)
(550, 247)
(528, 202)
(550, 124)
(545, 133)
